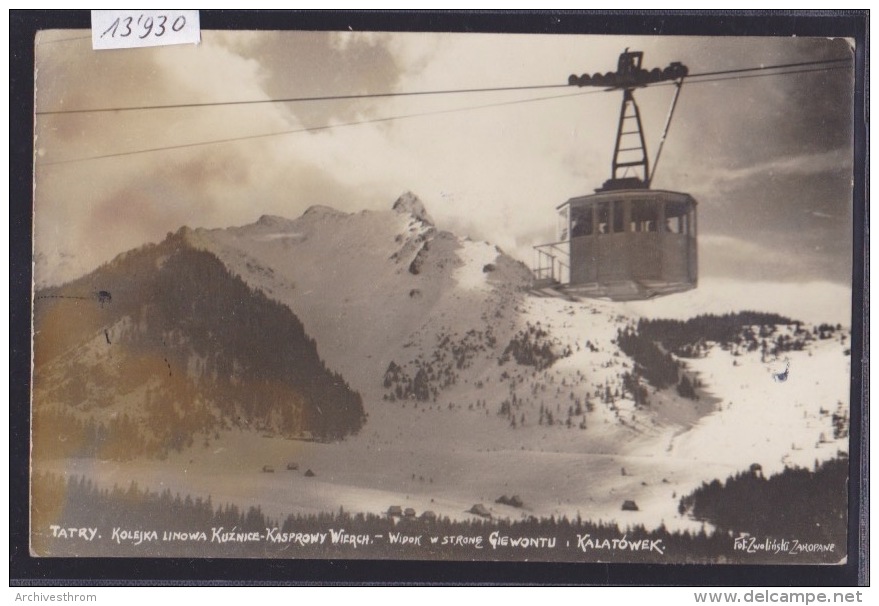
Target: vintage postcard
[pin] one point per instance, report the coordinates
(443, 296)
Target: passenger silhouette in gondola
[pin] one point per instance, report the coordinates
(104, 296)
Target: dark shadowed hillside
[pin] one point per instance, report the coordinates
(750, 503)
(163, 347)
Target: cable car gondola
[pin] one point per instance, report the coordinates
(625, 241)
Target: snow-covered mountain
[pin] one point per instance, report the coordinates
(367, 284)
(475, 388)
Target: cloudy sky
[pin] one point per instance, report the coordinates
(769, 159)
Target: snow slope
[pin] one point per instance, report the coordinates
(352, 278)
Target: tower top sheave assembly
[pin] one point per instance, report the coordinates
(630, 74)
(631, 167)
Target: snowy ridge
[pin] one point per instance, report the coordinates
(813, 302)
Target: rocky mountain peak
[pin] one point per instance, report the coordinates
(411, 204)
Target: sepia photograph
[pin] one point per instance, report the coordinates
(390, 295)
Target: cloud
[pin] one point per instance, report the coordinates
(724, 179)
(783, 260)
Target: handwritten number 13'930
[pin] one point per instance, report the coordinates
(147, 25)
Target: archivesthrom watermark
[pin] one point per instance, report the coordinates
(36, 596)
